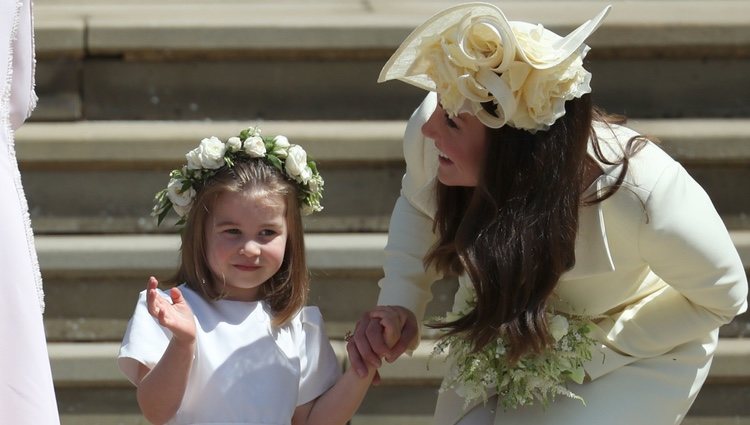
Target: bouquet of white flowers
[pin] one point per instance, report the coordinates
(533, 378)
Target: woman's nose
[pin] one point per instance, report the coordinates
(429, 128)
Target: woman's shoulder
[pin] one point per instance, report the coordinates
(645, 167)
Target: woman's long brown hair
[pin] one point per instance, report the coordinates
(514, 234)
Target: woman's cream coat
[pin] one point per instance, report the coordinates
(654, 259)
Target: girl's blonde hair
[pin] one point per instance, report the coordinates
(286, 291)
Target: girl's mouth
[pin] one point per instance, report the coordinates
(246, 268)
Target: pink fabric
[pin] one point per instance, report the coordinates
(26, 392)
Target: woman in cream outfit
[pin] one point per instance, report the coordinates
(26, 393)
(654, 263)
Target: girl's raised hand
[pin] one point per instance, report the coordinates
(175, 315)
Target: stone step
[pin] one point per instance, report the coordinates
(91, 282)
(91, 390)
(161, 61)
(104, 26)
(119, 165)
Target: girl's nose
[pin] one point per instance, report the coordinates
(250, 249)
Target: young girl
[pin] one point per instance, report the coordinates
(233, 343)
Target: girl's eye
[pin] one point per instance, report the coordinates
(232, 231)
(449, 121)
(267, 232)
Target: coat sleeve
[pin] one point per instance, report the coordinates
(685, 243)
(406, 282)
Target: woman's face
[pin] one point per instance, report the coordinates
(462, 142)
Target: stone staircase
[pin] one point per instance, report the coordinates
(126, 88)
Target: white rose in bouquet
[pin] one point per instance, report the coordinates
(558, 327)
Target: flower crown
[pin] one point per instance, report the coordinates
(212, 155)
(471, 54)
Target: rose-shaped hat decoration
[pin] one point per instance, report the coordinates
(212, 155)
(471, 54)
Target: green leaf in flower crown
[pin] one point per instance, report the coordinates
(313, 166)
(163, 214)
(186, 184)
(160, 195)
(229, 161)
(275, 161)
(244, 133)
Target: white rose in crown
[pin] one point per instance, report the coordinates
(209, 154)
(181, 200)
(255, 147)
(558, 327)
(296, 164)
(182, 211)
(234, 144)
(280, 146)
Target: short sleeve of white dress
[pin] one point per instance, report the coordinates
(144, 342)
(319, 367)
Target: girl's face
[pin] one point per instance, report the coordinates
(246, 236)
(462, 142)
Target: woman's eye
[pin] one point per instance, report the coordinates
(449, 121)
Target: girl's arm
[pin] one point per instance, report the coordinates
(160, 390)
(338, 404)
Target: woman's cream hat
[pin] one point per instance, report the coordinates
(471, 54)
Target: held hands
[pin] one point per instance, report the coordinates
(175, 316)
(384, 332)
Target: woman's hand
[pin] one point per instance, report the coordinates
(175, 316)
(384, 332)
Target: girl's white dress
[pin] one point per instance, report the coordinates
(245, 371)
(654, 261)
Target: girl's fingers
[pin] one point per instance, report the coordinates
(176, 296)
(355, 359)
